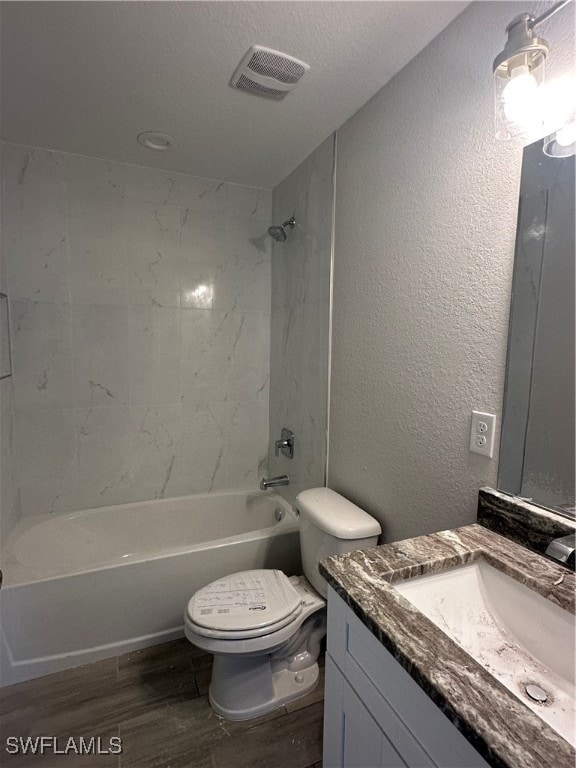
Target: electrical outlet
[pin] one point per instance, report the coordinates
(482, 433)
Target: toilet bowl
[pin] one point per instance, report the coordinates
(265, 628)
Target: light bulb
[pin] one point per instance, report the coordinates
(520, 97)
(567, 135)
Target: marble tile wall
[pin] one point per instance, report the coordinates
(301, 319)
(140, 307)
(9, 503)
(9, 506)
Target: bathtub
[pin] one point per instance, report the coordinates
(88, 585)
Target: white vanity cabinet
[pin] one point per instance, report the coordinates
(375, 714)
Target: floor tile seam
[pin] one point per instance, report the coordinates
(129, 722)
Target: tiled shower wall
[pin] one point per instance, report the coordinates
(140, 305)
(9, 510)
(301, 320)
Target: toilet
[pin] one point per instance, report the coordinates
(265, 628)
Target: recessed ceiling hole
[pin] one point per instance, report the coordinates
(155, 140)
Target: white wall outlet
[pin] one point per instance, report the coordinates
(482, 433)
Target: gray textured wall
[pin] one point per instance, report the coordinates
(426, 204)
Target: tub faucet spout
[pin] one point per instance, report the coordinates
(563, 549)
(272, 482)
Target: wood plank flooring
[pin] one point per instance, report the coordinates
(156, 702)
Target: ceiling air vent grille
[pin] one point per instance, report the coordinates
(285, 69)
(268, 73)
(245, 84)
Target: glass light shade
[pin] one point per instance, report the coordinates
(562, 143)
(518, 103)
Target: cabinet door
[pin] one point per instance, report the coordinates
(333, 716)
(364, 744)
(352, 738)
(362, 739)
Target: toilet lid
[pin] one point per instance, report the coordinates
(243, 601)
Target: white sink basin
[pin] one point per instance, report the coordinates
(517, 635)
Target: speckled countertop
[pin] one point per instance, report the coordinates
(503, 730)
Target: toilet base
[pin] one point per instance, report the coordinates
(260, 691)
(250, 685)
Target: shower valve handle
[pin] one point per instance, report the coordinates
(285, 444)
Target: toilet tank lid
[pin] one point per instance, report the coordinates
(336, 515)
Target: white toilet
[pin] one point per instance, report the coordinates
(265, 628)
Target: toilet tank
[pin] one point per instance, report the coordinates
(331, 525)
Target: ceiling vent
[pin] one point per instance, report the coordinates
(268, 73)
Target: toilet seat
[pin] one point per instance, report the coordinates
(245, 604)
(262, 639)
(244, 634)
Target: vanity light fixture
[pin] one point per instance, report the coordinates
(562, 143)
(519, 76)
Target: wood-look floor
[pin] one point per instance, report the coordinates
(156, 701)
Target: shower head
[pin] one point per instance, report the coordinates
(280, 233)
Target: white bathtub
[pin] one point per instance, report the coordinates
(87, 585)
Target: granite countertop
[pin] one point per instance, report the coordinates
(503, 730)
(521, 520)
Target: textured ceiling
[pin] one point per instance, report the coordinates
(87, 77)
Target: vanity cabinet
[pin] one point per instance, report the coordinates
(375, 714)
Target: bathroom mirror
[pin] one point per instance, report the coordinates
(537, 457)
(5, 359)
